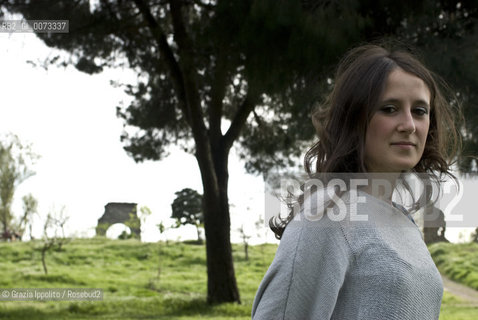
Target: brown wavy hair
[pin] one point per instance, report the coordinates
(342, 120)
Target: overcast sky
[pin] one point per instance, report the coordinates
(70, 118)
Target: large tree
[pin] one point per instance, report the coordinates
(212, 73)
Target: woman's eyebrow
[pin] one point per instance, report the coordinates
(423, 102)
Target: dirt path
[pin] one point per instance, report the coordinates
(460, 291)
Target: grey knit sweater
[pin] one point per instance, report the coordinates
(328, 269)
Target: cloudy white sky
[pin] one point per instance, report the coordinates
(70, 118)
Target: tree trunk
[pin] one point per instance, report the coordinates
(4, 218)
(43, 252)
(221, 286)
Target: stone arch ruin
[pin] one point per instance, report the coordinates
(117, 212)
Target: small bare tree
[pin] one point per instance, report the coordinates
(245, 240)
(53, 234)
(261, 232)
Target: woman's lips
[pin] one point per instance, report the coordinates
(403, 144)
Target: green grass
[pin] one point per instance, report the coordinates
(127, 271)
(453, 308)
(458, 262)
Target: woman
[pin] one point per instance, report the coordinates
(355, 254)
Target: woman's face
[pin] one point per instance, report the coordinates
(396, 135)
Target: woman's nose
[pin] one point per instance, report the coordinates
(407, 122)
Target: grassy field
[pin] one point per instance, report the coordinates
(127, 271)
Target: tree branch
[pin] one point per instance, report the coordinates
(186, 56)
(166, 50)
(240, 119)
(257, 118)
(204, 154)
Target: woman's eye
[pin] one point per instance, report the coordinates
(388, 109)
(421, 111)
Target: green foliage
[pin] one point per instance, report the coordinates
(187, 207)
(16, 161)
(30, 207)
(101, 229)
(133, 222)
(458, 262)
(161, 227)
(145, 212)
(125, 235)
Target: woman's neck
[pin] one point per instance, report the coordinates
(381, 185)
